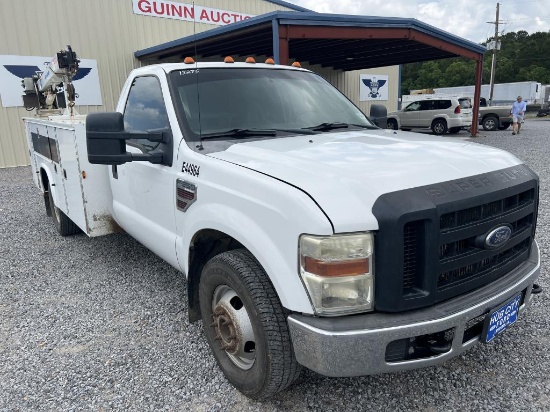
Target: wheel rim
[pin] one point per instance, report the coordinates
(438, 127)
(233, 327)
(391, 126)
(490, 124)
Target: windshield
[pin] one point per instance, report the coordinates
(231, 101)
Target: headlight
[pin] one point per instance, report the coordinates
(337, 271)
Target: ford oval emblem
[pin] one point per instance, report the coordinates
(498, 237)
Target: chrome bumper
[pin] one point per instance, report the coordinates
(356, 345)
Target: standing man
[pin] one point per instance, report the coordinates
(518, 111)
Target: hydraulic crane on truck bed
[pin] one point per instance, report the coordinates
(51, 91)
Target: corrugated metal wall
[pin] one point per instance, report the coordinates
(109, 32)
(349, 82)
(105, 30)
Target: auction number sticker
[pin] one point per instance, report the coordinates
(191, 169)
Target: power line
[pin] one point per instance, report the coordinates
(523, 20)
(520, 2)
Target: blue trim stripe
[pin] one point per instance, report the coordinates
(318, 19)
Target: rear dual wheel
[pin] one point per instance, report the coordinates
(64, 225)
(245, 325)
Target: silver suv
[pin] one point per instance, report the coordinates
(441, 115)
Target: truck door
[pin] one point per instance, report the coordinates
(144, 193)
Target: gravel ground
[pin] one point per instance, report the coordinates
(101, 324)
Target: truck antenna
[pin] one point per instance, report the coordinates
(199, 146)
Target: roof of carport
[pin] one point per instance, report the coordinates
(338, 41)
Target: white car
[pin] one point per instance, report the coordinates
(441, 115)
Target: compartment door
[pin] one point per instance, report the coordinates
(70, 175)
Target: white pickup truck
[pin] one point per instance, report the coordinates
(308, 236)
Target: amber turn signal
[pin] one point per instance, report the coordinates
(336, 268)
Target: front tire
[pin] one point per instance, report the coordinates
(64, 225)
(490, 123)
(392, 124)
(439, 127)
(245, 325)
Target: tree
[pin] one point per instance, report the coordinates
(523, 57)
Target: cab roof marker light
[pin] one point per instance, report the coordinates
(296, 64)
(189, 60)
(269, 61)
(229, 59)
(250, 60)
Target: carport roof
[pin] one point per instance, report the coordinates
(338, 41)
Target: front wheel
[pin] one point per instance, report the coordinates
(439, 126)
(490, 123)
(246, 326)
(392, 124)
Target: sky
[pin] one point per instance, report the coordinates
(464, 18)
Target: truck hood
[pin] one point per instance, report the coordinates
(346, 172)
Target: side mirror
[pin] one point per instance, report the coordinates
(106, 141)
(379, 115)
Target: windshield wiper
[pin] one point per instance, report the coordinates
(365, 126)
(327, 126)
(296, 131)
(240, 133)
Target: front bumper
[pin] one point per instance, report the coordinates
(358, 345)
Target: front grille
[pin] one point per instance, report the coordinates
(486, 211)
(460, 257)
(483, 267)
(431, 245)
(462, 247)
(413, 235)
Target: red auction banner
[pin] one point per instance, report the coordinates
(186, 12)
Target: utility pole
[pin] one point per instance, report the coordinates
(494, 61)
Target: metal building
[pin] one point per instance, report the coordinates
(112, 37)
(109, 32)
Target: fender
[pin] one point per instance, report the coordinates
(49, 173)
(279, 258)
(396, 118)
